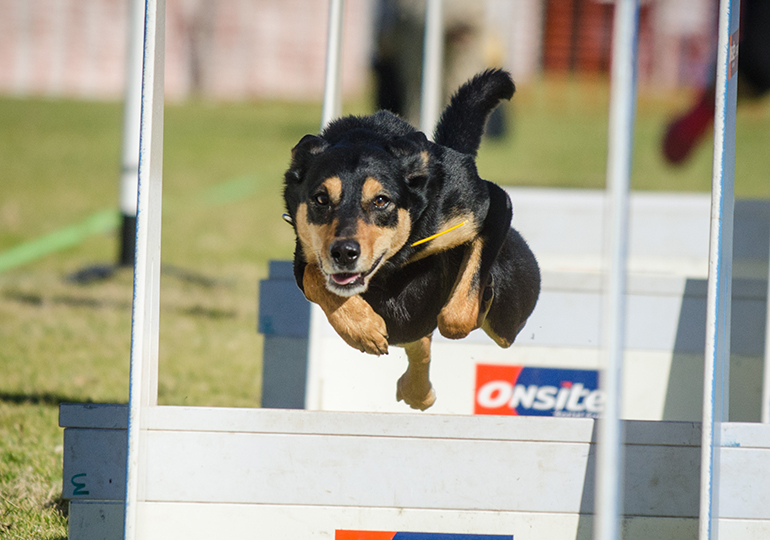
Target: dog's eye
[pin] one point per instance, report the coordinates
(380, 202)
(321, 199)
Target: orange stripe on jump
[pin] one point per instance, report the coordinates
(363, 535)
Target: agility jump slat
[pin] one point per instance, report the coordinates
(717, 356)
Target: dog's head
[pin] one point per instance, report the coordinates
(353, 202)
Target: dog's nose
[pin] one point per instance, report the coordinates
(345, 252)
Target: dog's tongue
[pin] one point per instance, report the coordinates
(344, 278)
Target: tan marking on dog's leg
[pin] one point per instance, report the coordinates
(414, 386)
(351, 317)
(462, 312)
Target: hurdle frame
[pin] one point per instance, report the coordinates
(147, 421)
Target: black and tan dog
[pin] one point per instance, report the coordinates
(398, 236)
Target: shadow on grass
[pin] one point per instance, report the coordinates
(60, 506)
(42, 398)
(38, 300)
(34, 299)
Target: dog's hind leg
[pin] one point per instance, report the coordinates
(517, 286)
(473, 291)
(414, 386)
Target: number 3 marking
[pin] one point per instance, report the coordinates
(79, 486)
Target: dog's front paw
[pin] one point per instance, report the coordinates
(359, 326)
(416, 398)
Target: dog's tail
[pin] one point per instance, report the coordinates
(462, 122)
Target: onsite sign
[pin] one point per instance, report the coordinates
(378, 535)
(530, 391)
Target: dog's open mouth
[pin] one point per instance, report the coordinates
(344, 279)
(350, 283)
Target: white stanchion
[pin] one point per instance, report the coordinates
(766, 378)
(717, 353)
(432, 67)
(129, 159)
(332, 102)
(609, 471)
(143, 380)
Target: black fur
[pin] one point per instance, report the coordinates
(432, 181)
(462, 123)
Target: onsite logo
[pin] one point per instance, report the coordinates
(377, 535)
(527, 391)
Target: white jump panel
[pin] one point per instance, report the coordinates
(287, 469)
(298, 523)
(250, 473)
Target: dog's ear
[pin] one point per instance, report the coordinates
(305, 149)
(412, 150)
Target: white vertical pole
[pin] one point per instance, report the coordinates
(716, 375)
(432, 66)
(332, 104)
(129, 161)
(766, 378)
(143, 380)
(609, 471)
(332, 108)
(765, 409)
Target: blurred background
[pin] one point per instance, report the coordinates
(243, 85)
(266, 49)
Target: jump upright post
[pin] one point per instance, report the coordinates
(332, 103)
(145, 324)
(129, 158)
(432, 66)
(609, 480)
(716, 376)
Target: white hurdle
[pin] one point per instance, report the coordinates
(196, 472)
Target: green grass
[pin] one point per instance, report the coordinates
(559, 138)
(223, 164)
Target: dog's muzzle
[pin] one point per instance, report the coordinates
(345, 253)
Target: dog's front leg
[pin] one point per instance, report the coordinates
(414, 386)
(352, 318)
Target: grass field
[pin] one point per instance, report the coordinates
(62, 341)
